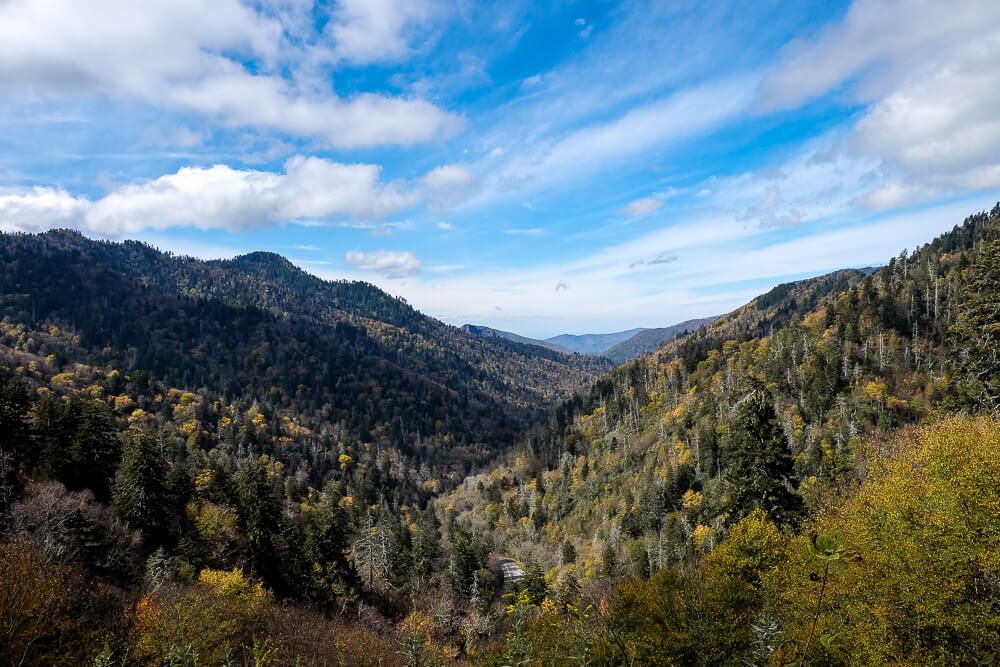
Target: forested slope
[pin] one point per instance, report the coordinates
(766, 409)
(223, 475)
(258, 329)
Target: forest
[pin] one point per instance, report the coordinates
(237, 463)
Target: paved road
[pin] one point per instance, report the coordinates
(511, 571)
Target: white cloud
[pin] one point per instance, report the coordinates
(894, 195)
(449, 176)
(643, 207)
(449, 185)
(371, 31)
(641, 130)
(771, 211)
(928, 73)
(38, 209)
(942, 126)
(877, 40)
(524, 231)
(190, 56)
(392, 264)
(215, 197)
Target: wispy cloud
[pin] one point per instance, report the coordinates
(643, 207)
(662, 258)
(524, 231)
(393, 264)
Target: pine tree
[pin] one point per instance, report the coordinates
(140, 494)
(15, 443)
(326, 546)
(977, 332)
(261, 517)
(760, 464)
(534, 582)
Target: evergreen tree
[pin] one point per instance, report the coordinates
(261, 517)
(977, 332)
(326, 546)
(568, 591)
(534, 582)
(426, 543)
(80, 443)
(140, 492)
(760, 464)
(15, 443)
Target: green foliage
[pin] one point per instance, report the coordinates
(733, 499)
(977, 330)
(760, 470)
(140, 493)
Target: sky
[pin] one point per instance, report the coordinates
(539, 166)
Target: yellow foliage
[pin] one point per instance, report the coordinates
(62, 380)
(202, 480)
(684, 455)
(703, 537)
(138, 416)
(875, 391)
(692, 500)
(233, 584)
(123, 403)
(925, 529)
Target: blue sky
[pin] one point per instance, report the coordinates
(542, 167)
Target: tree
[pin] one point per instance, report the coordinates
(977, 331)
(326, 546)
(760, 465)
(426, 543)
(15, 444)
(534, 582)
(140, 493)
(902, 570)
(568, 590)
(262, 520)
(78, 441)
(371, 555)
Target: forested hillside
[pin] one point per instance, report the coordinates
(770, 412)
(237, 463)
(258, 330)
(648, 340)
(763, 408)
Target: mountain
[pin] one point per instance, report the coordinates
(487, 332)
(648, 340)
(258, 329)
(619, 347)
(234, 458)
(777, 408)
(592, 344)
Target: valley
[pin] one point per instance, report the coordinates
(234, 437)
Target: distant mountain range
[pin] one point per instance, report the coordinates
(619, 346)
(648, 340)
(592, 344)
(487, 332)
